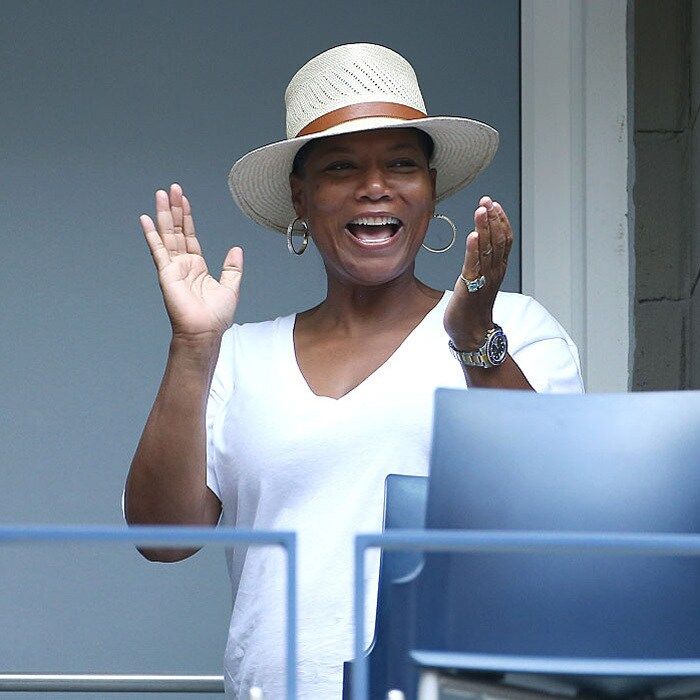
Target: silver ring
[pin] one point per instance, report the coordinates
(473, 285)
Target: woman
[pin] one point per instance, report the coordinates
(294, 423)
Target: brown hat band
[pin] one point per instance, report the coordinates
(358, 111)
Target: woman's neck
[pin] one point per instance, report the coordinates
(353, 309)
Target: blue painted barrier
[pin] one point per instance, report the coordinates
(633, 544)
(158, 536)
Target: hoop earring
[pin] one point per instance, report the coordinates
(454, 235)
(305, 241)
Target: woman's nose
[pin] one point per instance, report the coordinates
(374, 184)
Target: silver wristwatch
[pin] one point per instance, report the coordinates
(491, 354)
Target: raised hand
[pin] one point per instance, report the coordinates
(198, 305)
(469, 315)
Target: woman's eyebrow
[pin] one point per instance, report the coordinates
(333, 150)
(344, 150)
(404, 145)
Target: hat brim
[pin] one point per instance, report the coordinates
(259, 181)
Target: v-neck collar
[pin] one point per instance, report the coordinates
(298, 379)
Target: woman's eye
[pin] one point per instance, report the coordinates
(404, 163)
(340, 165)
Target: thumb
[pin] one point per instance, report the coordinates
(471, 269)
(232, 272)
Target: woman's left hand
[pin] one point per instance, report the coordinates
(469, 315)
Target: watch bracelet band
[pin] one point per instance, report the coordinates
(475, 358)
(471, 359)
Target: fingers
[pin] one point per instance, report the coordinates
(174, 226)
(176, 212)
(482, 223)
(479, 253)
(489, 245)
(165, 224)
(507, 233)
(500, 237)
(232, 272)
(161, 256)
(191, 242)
(471, 269)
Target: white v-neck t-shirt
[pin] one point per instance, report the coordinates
(280, 457)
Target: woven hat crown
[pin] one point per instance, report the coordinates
(348, 75)
(347, 89)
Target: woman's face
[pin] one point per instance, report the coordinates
(367, 199)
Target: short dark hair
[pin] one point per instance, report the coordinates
(426, 143)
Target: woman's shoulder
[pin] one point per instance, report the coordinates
(514, 304)
(257, 331)
(251, 347)
(526, 321)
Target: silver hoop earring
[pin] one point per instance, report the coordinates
(454, 235)
(305, 240)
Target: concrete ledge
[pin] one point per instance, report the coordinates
(661, 346)
(660, 197)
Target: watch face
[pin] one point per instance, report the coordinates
(497, 348)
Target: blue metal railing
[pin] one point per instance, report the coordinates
(499, 542)
(414, 540)
(108, 683)
(176, 537)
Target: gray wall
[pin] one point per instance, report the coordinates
(667, 245)
(102, 103)
(693, 273)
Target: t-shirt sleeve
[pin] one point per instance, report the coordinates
(219, 393)
(541, 348)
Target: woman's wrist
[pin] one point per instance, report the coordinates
(196, 352)
(471, 340)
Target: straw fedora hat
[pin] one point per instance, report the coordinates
(355, 87)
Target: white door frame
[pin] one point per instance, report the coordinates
(575, 200)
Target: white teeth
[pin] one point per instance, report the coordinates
(374, 241)
(376, 220)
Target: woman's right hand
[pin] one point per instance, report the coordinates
(199, 307)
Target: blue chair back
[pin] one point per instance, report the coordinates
(404, 507)
(521, 461)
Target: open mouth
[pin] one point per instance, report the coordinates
(373, 230)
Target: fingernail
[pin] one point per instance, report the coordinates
(497, 206)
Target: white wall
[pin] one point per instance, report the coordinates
(575, 239)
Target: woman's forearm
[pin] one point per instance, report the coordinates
(167, 480)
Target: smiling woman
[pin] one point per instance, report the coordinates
(294, 423)
(367, 198)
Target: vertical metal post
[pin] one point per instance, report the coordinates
(359, 665)
(290, 546)
(429, 685)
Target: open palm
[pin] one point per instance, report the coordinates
(197, 304)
